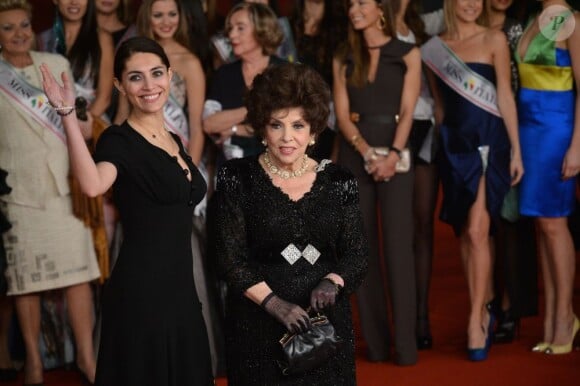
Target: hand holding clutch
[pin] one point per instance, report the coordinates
(324, 294)
(292, 316)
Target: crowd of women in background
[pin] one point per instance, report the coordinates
(465, 95)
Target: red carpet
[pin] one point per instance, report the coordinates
(511, 364)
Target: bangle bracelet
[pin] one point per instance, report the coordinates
(370, 155)
(396, 150)
(60, 112)
(354, 140)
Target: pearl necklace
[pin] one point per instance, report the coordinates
(285, 174)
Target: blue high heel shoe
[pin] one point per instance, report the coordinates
(480, 354)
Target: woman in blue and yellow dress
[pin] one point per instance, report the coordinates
(549, 114)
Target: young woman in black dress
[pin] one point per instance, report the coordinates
(153, 332)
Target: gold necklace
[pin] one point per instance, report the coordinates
(285, 174)
(162, 134)
(150, 132)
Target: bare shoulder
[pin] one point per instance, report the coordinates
(413, 52)
(183, 60)
(183, 56)
(413, 56)
(494, 39)
(494, 36)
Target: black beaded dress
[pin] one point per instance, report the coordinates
(153, 333)
(255, 222)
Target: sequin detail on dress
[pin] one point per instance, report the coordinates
(291, 253)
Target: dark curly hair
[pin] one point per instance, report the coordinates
(286, 86)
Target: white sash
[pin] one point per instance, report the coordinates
(175, 120)
(457, 75)
(30, 99)
(84, 86)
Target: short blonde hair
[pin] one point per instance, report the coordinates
(267, 31)
(450, 18)
(9, 5)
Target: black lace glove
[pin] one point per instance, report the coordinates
(292, 316)
(324, 294)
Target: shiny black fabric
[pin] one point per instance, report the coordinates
(310, 349)
(254, 222)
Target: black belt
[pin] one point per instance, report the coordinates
(383, 119)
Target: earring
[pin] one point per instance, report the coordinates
(382, 22)
(264, 142)
(312, 141)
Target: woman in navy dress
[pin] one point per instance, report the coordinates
(476, 167)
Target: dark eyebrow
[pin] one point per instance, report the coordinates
(140, 72)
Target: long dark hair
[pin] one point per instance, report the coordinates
(355, 50)
(198, 31)
(86, 47)
(331, 30)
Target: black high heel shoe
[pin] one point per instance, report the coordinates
(508, 327)
(424, 338)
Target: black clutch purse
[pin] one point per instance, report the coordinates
(309, 349)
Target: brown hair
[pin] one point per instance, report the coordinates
(267, 31)
(144, 22)
(356, 51)
(124, 12)
(450, 17)
(286, 86)
(412, 19)
(9, 5)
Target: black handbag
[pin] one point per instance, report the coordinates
(308, 350)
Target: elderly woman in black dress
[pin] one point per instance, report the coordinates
(289, 234)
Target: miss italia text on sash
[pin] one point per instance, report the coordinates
(30, 99)
(458, 76)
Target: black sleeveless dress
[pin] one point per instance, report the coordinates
(153, 333)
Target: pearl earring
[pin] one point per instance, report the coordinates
(312, 142)
(264, 142)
